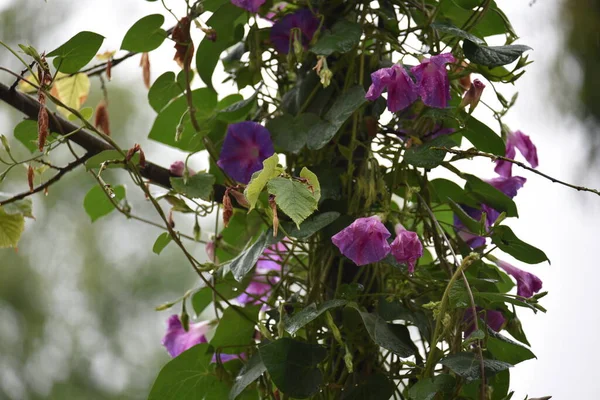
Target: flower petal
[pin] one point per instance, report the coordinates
(432, 80)
(527, 283)
(364, 241)
(304, 20)
(250, 5)
(407, 247)
(177, 340)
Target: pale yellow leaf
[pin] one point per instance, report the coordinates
(25, 87)
(71, 90)
(11, 227)
(107, 55)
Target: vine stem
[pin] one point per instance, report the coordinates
(475, 153)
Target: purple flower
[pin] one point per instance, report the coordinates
(271, 258)
(227, 357)
(250, 5)
(303, 20)
(517, 140)
(178, 167)
(432, 80)
(494, 319)
(258, 290)
(402, 91)
(470, 238)
(247, 144)
(407, 247)
(473, 95)
(527, 283)
(177, 340)
(507, 185)
(364, 242)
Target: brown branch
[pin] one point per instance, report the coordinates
(62, 171)
(156, 174)
(475, 153)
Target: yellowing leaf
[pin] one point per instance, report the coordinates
(260, 179)
(25, 87)
(107, 55)
(11, 227)
(312, 181)
(71, 90)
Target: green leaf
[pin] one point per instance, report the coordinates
(483, 138)
(508, 242)
(96, 203)
(309, 314)
(190, 376)
(228, 287)
(26, 132)
(166, 122)
(23, 206)
(76, 52)
(161, 242)
(260, 178)
(11, 228)
(244, 262)
(375, 387)
(427, 388)
(291, 134)
(164, 89)
(467, 365)
(235, 331)
(239, 110)
(112, 158)
(293, 198)
(248, 374)
(507, 350)
(311, 225)
(493, 56)
(197, 186)
(145, 35)
(454, 31)
(86, 113)
(312, 181)
(491, 196)
(443, 189)
(471, 224)
(496, 300)
(382, 334)
(292, 366)
(423, 156)
(227, 20)
(343, 107)
(343, 37)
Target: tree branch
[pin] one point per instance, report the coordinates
(474, 153)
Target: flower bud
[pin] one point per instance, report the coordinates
(473, 95)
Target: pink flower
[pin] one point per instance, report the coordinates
(407, 247)
(364, 242)
(178, 167)
(402, 91)
(473, 95)
(177, 340)
(432, 80)
(517, 140)
(210, 251)
(250, 5)
(527, 284)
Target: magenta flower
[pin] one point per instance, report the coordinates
(494, 319)
(473, 95)
(271, 258)
(432, 80)
(527, 284)
(407, 247)
(258, 290)
(508, 185)
(178, 167)
(303, 20)
(247, 144)
(402, 91)
(250, 5)
(517, 140)
(364, 242)
(177, 340)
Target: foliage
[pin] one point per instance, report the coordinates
(292, 315)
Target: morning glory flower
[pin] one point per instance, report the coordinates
(260, 286)
(178, 167)
(494, 319)
(432, 80)
(402, 91)
(527, 284)
(407, 247)
(303, 20)
(517, 140)
(177, 340)
(247, 144)
(473, 95)
(364, 241)
(250, 5)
